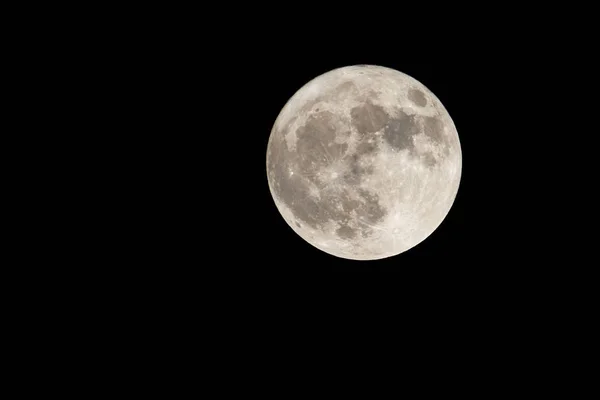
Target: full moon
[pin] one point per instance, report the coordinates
(364, 162)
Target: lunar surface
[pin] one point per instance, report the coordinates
(364, 162)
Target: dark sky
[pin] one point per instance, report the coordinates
(178, 228)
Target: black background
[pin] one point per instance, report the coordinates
(188, 243)
(178, 231)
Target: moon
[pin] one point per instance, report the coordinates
(364, 162)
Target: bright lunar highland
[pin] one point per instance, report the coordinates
(364, 162)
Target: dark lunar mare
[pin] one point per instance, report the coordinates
(315, 149)
(434, 129)
(368, 118)
(417, 97)
(400, 131)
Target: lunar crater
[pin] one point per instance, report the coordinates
(417, 97)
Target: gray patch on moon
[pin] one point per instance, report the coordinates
(399, 131)
(372, 211)
(295, 172)
(349, 204)
(428, 159)
(366, 147)
(345, 88)
(433, 128)
(316, 142)
(368, 118)
(356, 170)
(366, 232)
(417, 97)
(345, 232)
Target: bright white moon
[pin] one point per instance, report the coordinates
(364, 162)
